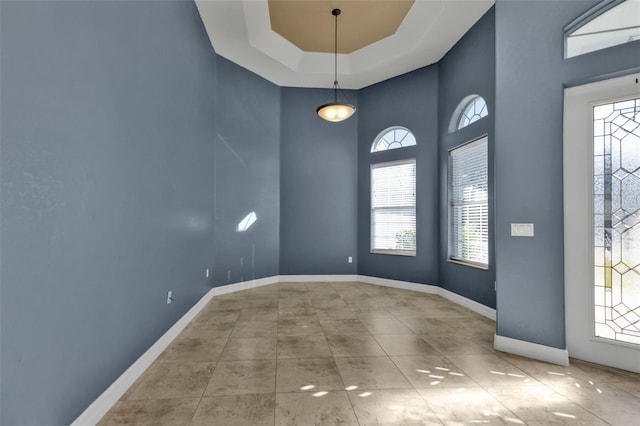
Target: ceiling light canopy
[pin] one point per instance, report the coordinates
(336, 111)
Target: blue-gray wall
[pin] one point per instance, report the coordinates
(410, 100)
(318, 181)
(129, 154)
(247, 175)
(468, 68)
(530, 75)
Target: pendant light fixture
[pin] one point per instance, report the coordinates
(336, 111)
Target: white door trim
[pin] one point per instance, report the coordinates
(578, 218)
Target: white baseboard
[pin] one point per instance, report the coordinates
(316, 278)
(531, 350)
(404, 285)
(109, 397)
(94, 413)
(476, 307)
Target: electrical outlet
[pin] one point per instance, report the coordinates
(169, 297)
(206, 273)
(350, 259)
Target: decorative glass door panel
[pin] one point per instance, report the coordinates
(616, 208)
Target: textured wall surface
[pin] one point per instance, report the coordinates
(468, 68)
(128, 158)
(530, 76)
(318, 205)
(247, 175)
(411, 101)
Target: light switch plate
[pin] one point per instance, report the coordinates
(522, 229)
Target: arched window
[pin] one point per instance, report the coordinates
(471, 109)
(608, 23)
(392, 138)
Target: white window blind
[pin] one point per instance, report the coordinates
(469, 211)
(393, 207)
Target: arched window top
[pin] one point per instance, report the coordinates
(392, 138)
(608, 23)
(471, 109)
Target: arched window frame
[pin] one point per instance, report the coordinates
(463, 112)
(602, 37)
(397, 141)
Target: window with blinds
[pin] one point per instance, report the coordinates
(469, 210)
(393, 208)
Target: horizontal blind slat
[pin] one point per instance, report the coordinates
(469, 201)
(393, 206)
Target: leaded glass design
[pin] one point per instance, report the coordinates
(616, 189)
(392, 138)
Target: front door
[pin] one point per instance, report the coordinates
(602, 222)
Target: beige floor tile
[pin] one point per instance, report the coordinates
(295, 303)
(405, 312)
(148, 412)
(314, 409)
(302, 314)
(202, 330)
(468, 405)
(603, 374)
(243, 348)
(328, 303)
(248, 372)
(237, 410)
(213, 315)
(391, 408)
(373, 313)
(371, 373)
(611, 404)
(404, 344)
(243, 377)
(429, 325)
(540, 405)
(299, 327)
(308, 375)
(335, 313)
(343, 327)
(293, 287)
(455, 344)
(472, 326)
(255, 329)
(385, 326)
(225, 302)
(174, 380)
(580, 372)
(357, 345)
(431, 371)
(188, 349)
(491, 370)
(262, 303)
(310, 346)
(632, 388)
(256, 314)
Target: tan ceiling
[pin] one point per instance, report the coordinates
(309, 24)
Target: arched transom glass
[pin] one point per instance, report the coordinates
(475, 109)
(392, 138)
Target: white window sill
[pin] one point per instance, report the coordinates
(469, 263)
(409, 253)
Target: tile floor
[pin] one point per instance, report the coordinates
(358, 354)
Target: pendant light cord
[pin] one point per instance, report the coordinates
(335, 13)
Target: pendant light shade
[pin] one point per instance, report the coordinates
(336, 111)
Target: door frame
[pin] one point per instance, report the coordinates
(578, 217)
